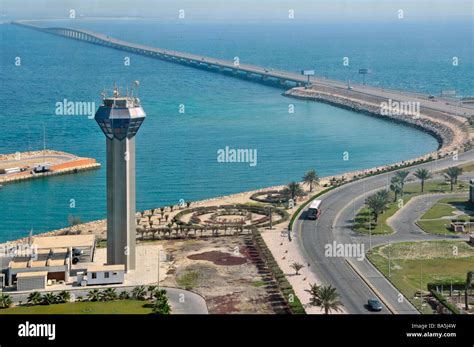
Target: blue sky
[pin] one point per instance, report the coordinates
(321, 10)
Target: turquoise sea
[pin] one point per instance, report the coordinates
(177, 153)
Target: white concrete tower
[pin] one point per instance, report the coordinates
(120, 117)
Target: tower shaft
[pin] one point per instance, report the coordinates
(121, 224)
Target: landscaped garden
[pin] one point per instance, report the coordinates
(141, 300)
(438, 219)
(413, 265)
(372, 218)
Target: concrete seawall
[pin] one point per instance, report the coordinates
(451, 131)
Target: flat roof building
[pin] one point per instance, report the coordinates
(102, 274)
(31, 280)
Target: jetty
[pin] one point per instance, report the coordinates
(22, 166)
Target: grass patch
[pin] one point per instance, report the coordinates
(413, 263)
(188, 280)
(97, 307)
(258, 283)
(433, 222)
(361, 220)
(446, 207)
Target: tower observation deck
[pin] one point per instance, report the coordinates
(120, 117)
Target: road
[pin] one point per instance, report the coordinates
(335, 224)
(181, 301)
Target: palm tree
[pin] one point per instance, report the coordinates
(5, 301)
(64, 296)
(329, 299)
(139, 292)
(293, 190)
(396, 187)
(383, 194)
(402, 176)
(297, 267)
(423, 175)
(109, 294)
(34, 298)
(49, 299)
(151, 290)
(452, 174)
(377, 203)
(311, 177)
(161, 304)
(124, 295)
(94, 295)
(314, 292)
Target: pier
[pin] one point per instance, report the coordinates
(23, 166)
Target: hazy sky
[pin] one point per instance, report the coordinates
(241, 9)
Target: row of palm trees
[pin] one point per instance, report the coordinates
(35, 298)
(379, 201)
(294, 189)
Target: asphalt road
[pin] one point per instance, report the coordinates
(335, 224)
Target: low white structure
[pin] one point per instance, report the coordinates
(101, 274)
(31, 280)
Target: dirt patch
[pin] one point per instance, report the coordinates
(199, 265)
(219, 258)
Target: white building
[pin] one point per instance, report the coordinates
(101, 274)
(31, 280)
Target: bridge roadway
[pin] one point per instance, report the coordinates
(253, 72)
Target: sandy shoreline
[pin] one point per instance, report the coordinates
(98, 226)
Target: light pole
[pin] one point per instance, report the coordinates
(389, 259)
(370, 233)
(421, 284)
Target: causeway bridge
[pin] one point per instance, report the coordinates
(281, 78)
(224, 66)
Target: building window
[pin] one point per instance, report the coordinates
(106, 274)
(94, 275)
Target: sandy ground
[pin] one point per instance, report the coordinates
(220, 271)
(287, 253)
(146, 264)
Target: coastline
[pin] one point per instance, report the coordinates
(451, 131)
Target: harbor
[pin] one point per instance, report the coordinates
(21, 166)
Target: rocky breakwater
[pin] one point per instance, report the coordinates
(451, 131)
